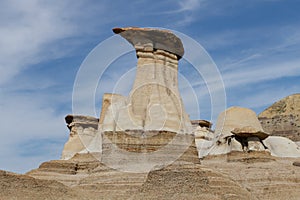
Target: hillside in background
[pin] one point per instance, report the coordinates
(282, 118)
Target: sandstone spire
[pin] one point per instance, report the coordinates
(154, 102)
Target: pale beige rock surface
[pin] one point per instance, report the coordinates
(236, 117)
(282, 147)
(86, 173)
(83, 130)
(22, 187)
(243, 122)
(154, 102)
(264, 176)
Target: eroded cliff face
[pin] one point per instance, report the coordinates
(283, 118)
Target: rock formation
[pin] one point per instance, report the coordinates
(283, 118)
(237, 129)
(83, 131)
(264, 176)
(154, 102)
(16, 186)
(282, 147)
(145, 147)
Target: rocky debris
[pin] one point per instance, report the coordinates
(283, 118)
(83, 131)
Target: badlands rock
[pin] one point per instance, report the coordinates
(86, 173)
(283, 118)
(242, 121)
(82, 132)
(282, 147)
(236, 117)
(158, 39)
(190, 182)
(201, 123)
(264, 176)
(154, 102)
(16, 186)
(249, 131)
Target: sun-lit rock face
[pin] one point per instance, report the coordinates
(154, 102)
(83, 130)
(236, 117)
(282, 147)
(237, 129)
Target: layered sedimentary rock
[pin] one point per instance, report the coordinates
(190, 182)
(147, 131)
(84, 172)
(283, 118)
(17, 186)
(83, 130)
(154, 102)
(264, 176)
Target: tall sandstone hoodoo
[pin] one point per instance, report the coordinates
(154, 102)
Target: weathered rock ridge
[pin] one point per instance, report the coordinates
(283, 118)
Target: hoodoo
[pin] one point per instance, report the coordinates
(154, 102)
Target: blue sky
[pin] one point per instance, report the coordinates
(255, 45)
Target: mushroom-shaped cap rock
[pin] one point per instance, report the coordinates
(160, 39)
(249, 131)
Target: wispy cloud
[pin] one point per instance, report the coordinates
(189, 5)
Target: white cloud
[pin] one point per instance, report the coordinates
(32, 31)
(189, 5)
(26, 29)
(28, 120)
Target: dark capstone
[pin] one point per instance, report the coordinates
(160, 39)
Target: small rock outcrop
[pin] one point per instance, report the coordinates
(83, 130)
(283, 118)
(282, 147)
(237, 129)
